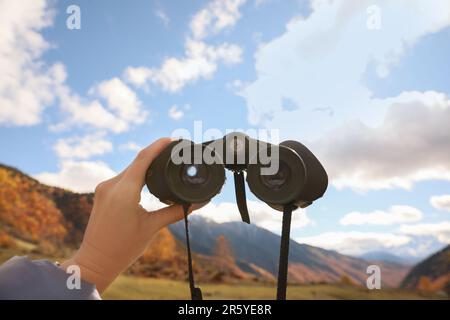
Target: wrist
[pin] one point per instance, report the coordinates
(95, 267)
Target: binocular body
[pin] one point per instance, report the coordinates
(280, 175)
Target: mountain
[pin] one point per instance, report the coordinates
(431, 274)
(388, 257)
(43, 215)
(51, 221)
(166, 258)
(260, 247)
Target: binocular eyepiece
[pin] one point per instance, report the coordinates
(179, 175)
(285, 174)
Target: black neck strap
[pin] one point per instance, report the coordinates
(284, 252)
(239, 188)
(196, 293)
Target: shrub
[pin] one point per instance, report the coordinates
(6, 241)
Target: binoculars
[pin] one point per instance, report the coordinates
(198, 172)
(285, 176)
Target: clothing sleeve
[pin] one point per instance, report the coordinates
(21, 279)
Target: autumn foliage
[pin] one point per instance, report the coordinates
(48, 217)
(223, 249)
(346, 280)
(424, 284)
(6, 241)
(31, 215)
(164, 257)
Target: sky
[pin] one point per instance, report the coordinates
(84, 85)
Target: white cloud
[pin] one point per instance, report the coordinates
(410, 145)
(81, 176)
(441, 202)
(320, 62)
(28, 85)
(260, 214)
(395, 214)
(149, 201)
(216, 16)
(419, 249)
(25, 82)
(83, 147)
(355, 243)
(122, 100)
(200, 60)
(175, 113)
(123, 107)
(81, 112)
(311, 84)
(130, 146)
(137, 76)
(440, 231)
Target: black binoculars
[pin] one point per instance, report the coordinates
(285, 176)
(186, 173)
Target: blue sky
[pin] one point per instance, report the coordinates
(364, 85)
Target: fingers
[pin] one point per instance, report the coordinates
(113, 180)
(171, 214)
(135, 173)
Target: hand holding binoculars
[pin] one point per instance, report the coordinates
(285, 176)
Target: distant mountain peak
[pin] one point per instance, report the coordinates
(388, 257)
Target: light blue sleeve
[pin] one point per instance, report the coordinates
(21, 278)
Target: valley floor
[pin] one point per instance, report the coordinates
(136, 288)
(128, 287)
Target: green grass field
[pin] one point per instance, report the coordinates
(127, 287)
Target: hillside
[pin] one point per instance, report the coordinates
(43, 215)
(432, 274)
(260, 247)
(50, 222)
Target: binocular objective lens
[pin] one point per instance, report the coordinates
(193, 174)
(277, 180)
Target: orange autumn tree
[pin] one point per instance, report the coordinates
(223, 249)
(26, 212)
(5, 240)
(424, 284)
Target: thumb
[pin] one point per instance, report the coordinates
(135, 174)
(171, 214)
